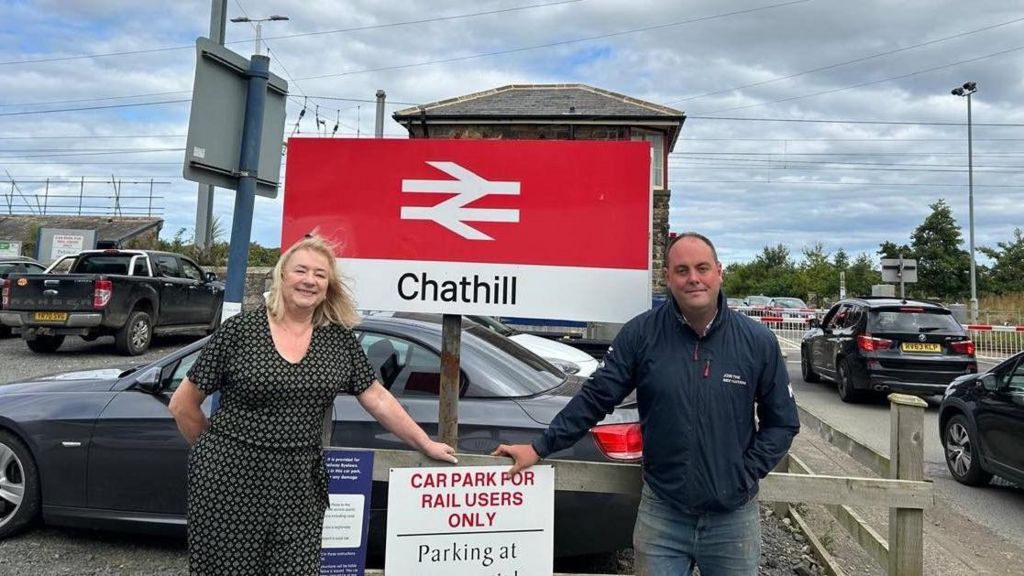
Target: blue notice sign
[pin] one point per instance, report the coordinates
(347, 521)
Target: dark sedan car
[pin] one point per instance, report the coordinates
(886, 344)
(981, 423)
(100, 449)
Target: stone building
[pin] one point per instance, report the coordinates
(561, 112)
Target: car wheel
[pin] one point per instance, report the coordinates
(962, 453)
(134, 337)
(19, 486)
(844, 383)
(45, 344)
(806, 371)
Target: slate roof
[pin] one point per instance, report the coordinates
(547, 101)
(106, 227)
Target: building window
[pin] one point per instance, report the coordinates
(657, 140)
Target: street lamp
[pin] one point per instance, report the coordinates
(259, 25)
(966, 90)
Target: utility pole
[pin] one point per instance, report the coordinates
(378, 126)
(204, 201)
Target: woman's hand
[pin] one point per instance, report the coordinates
(439, 451)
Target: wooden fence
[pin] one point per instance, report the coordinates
(904, 492)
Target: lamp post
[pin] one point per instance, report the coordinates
(966, 90)
(259, 26)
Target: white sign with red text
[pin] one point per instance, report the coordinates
(537, 229)
(470, 521)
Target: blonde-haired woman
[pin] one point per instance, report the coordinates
(257, 487)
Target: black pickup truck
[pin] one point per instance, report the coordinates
(128, 294)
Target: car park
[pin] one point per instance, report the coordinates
(880, 345)
(16, 265)
(981, 424)
(99, 448)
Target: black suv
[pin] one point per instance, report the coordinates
(981, 423)
(886, 345)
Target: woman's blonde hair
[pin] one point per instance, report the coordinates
(339, 305)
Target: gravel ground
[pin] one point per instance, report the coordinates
(56, 551)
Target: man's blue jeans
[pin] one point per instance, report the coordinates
(667, 542)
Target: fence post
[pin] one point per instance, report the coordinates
(906, 462)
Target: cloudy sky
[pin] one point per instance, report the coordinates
(808, 121)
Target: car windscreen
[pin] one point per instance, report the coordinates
(512, 370)
(909, 320)
(492, 323)
(789, 303)
(758, 300)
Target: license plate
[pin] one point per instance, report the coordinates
(51, 316)
(920, 347)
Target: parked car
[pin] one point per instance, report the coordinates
(786, 302)
(981, 424)
(16, 265)
(568, 359)
(757, 301)
(886, 344)
(790, 307)
(99, 448)
(128, 294)
(735, 302)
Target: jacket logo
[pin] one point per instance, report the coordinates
(728, 378)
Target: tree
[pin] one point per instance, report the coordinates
(943, 268)
(861, 275)
(892, 250)
(816, 274)
(774, 272)
(1008, 264)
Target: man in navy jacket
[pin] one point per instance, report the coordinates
(699, 371)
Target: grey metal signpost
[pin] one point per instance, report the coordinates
(234, 147)
(899, 270)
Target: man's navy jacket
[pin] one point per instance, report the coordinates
(696, 396)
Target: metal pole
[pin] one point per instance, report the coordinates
(970, 203)
(204, 201)
(378, 125)
(46, 196)
(245, 197)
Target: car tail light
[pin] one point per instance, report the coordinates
(6, 293)
(963, 347)
(621, 442)
(868, 343)
(102, 290)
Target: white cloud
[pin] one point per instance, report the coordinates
(852, 184)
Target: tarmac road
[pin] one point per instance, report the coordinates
(999, 507)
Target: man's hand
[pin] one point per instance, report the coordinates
(440, 451)
(523, 456)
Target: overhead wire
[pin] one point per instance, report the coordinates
(869, 83)
(558, 43)
(848, 62)
(337, 31)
